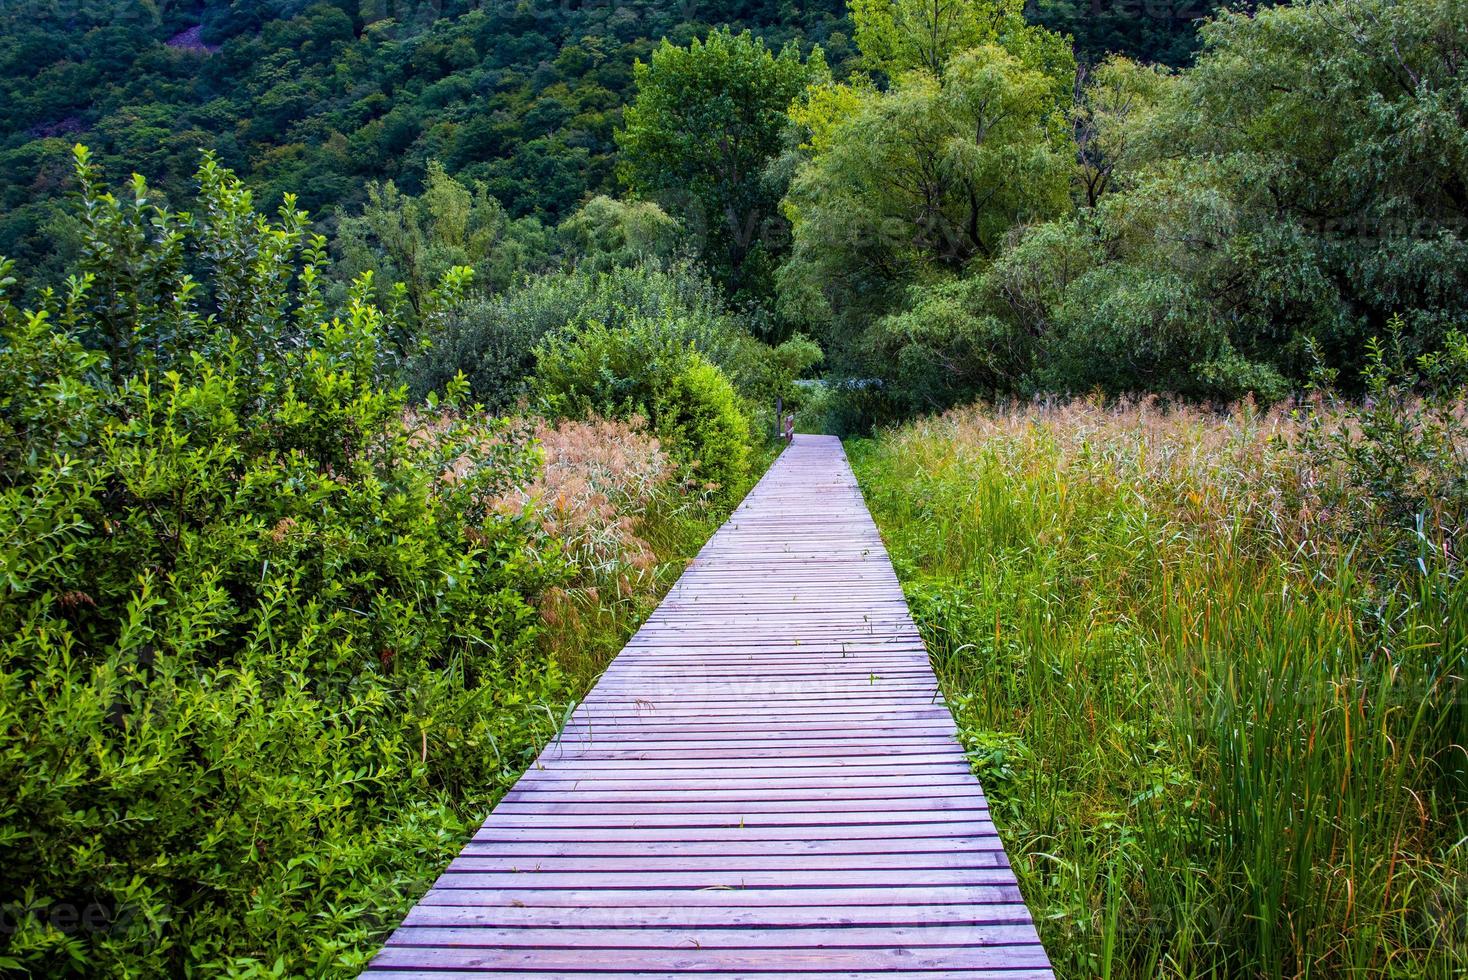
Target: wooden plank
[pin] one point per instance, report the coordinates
(717, 937)
(885, 897)
(952, 766)
(703, 975)
(744, 817)
(990, 913)
(764, 784)
(734, 786)
(854, 850)
(718, 877)
(610, 959)
(469, 860)
(742, 833)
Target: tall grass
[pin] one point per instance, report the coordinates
(608, 494)
(1222, 727)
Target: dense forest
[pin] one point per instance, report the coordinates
(1115, 223)
(345, 441)
(316, 99)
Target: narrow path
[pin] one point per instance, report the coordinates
(763, 784)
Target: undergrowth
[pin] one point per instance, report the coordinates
(272, 640)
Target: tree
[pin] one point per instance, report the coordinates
(607, 233)
(922, 180)
(898, 36)
(1334, 135)
(1111, 99)
(415, 240)
(902, 35)
(707, 121)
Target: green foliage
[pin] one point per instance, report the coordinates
(707, 121)
(900, 36)
(648, 367)
(1328, 136)
(1402, 453)
(1279, 197)
(1119, 329)
(610, 234)
(325, 98)
(917, 182)
(788, 363)
(267, 650)
(1112, 100)
(416, 240)
(945, 348)
(491, 342)
(1163, 31)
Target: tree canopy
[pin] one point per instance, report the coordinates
(707, 121)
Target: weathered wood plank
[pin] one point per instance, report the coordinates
(765, 784)
(884, 897)
(996, 912)
(896, 958)
(717, 937)
(479, 974)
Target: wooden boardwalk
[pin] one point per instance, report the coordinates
(763, 784)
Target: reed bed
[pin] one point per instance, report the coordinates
(1214, 689)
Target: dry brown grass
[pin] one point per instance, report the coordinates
(597, 480)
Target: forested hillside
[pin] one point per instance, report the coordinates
(317, 98)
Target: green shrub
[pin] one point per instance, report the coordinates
(1122, 329)
(947, 349)
(492, 341)
(489, 343)
(608, 234)
(1402, 453)
(647, 367)
(415, 241)
(266, 652)
(700, 411)
(813, 407)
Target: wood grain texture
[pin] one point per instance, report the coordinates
(764, 784)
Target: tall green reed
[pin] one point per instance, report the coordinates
(1220, 740)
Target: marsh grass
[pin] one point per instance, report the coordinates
(1221, 723)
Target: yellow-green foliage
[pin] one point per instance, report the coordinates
(1219, 714)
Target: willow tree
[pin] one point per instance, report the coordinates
(923, 179)
(898, 36)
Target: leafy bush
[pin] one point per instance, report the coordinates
(1122, 329)
(266, 649)
(647, 368)
(813, 409)
(1401, 455)
(789, 362)
(492, 342)
(947, 348)
(609, 234)
(415, 241)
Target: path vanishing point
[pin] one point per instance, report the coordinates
(764, 784)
